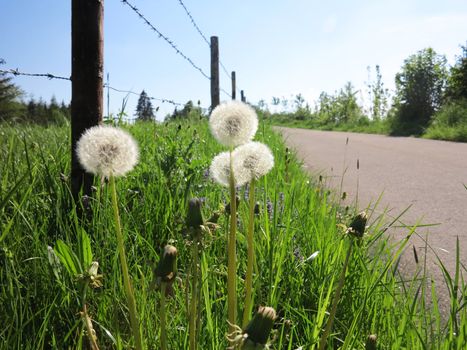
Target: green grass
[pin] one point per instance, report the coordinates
(40, 298)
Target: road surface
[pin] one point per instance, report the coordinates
(426, 175)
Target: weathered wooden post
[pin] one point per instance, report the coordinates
(234, 86)
(242, 96)
(215, 98)
(87, 62)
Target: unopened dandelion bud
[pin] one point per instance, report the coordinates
(194, 218)
(260, 326)
(257, 209)
(227, 206)
(167, 268)
(215, 217)
(357, 225)
(371, 342)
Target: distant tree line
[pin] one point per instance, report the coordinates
(14, 109)
(428, 96)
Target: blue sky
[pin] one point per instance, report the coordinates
(278, 48)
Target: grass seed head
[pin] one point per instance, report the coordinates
(233, 123)
(107, 150)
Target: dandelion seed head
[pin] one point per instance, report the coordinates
(252, 160)
(106, 150)
(220, 170)
(233, 123)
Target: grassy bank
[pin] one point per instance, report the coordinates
(40, 294)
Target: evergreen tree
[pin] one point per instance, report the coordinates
(10, 108)
(144, 109)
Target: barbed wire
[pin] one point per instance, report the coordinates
(170, 42)
(163, 100)
(202, 35)
(16, 72)
(225, 92)
(194, 23)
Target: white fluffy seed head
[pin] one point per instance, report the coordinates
(107, 150)
(220, 168)
(252, 160)
(233, 123)
(220, 171)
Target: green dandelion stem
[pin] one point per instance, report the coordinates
(126, 277)
(194, 297)
(231, 255)
(327, 330)
(163, 317)
(250, 257)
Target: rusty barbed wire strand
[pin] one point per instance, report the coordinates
(225, 92)
(202, 35)
(163, 100)
(170, 42)
(16, 72)
(50, 76)
(194, 23)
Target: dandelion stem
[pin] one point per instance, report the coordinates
(163, 317)
(194, 296)
(126, 277)
(89, 329)
(335, 301)
(231, 254)
(250, 255)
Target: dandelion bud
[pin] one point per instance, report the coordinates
(227, 206)
(233, 123)
(371, 342)
(259, 327)
(194, 218)
(106, 151)
(357, 225)
(167, 268)
(257, 209)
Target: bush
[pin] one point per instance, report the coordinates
(450, 123)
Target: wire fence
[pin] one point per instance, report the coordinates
(17, 72)
(225, 70)
(50, 76)
(162, 36)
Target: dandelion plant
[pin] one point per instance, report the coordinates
(110, 152)
(252, 161)
(232, 124)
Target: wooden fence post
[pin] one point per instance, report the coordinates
(87, 55)
(215, 98)
(242, 96)
(234, 86)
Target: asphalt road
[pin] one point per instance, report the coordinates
(426, 175)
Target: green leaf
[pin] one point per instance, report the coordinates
(84, 249)
(68, 258)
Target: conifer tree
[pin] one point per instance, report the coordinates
(10, 108)
(144, 109)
